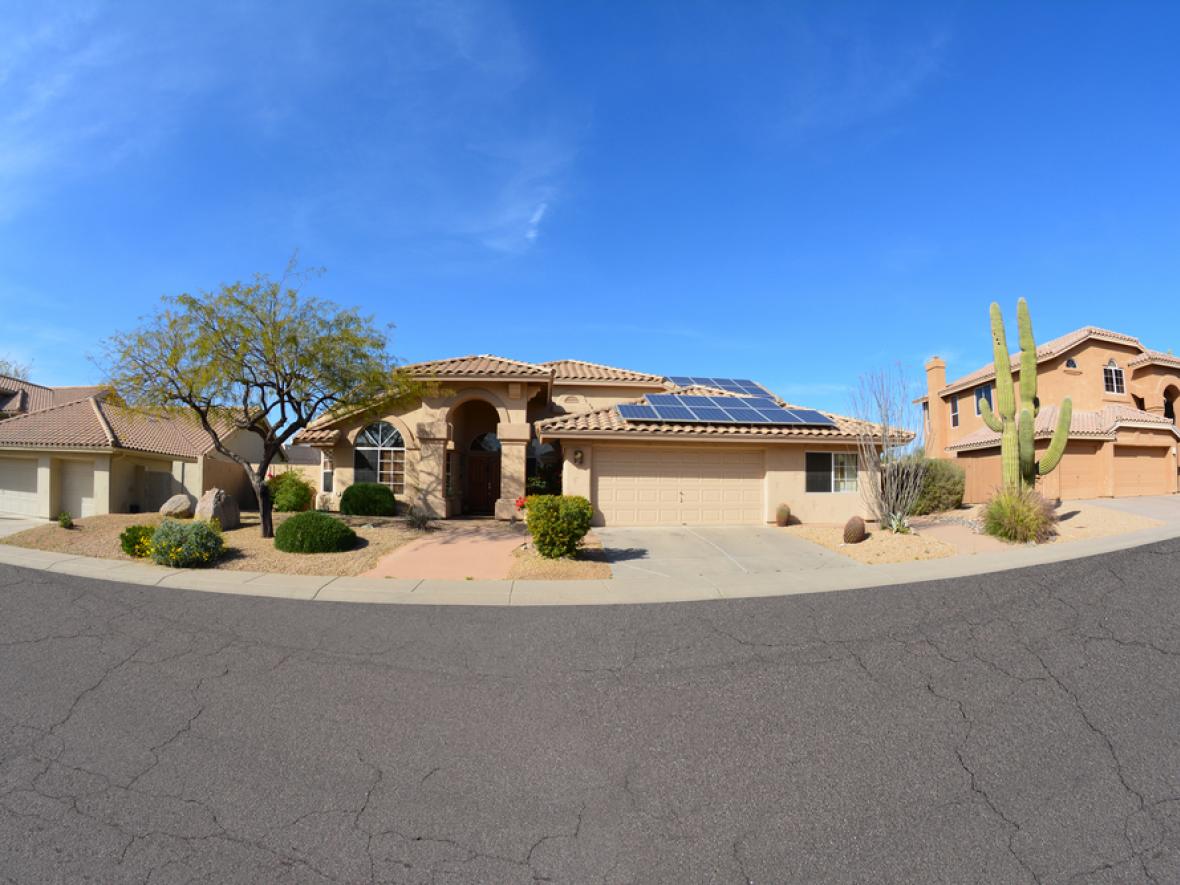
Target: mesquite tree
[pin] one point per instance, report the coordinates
(259, 357)
(887, 440)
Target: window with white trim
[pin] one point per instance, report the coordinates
(381, 456)
(954, 411)
(1112, 378)
(830, 471)
(326, 472)
(983, 393)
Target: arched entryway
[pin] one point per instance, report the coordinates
(476, 456)
(1171, 392)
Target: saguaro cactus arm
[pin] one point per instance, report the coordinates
(989, 417)
(1027, 447)
(1005, 395)
(1028, 360)
(1060, 438)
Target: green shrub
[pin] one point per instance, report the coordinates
(187, 544)
(290, 492)
(368, 499)
(1019, 516)
(418, 519)
(942, 487)
(136, 540)
(558, 523)
(314, 532)
(65, 520)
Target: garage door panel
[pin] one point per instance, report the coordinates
(18, 486)
(672, 487)
(1142, 470)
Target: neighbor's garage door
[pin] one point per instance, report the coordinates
(18, 486)
(673, 486)
(1142, 470)
(77, 488)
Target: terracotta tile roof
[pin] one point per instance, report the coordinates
(580, 370)
(1101, 424)
(17, 395)
(1048, 350)
(314, 436)
(482, 364)
(91, 423)
(607, 421)
(1154, 356)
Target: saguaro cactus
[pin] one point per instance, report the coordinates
(1017, 430)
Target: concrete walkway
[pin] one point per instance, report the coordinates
(472, 551)
(627, 587)
(11, 523)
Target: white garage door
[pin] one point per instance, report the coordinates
(18, 486)
(674, 486)
(77, 488)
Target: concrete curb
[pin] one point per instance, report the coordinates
(626, 589)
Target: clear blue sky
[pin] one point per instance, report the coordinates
(790, 192)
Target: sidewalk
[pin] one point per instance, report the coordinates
(630, 588)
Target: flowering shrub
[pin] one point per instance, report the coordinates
(558, 523)
(521, 503)
(195, 544)
(136, 540)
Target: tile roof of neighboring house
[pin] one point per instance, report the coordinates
(91, 423)
(17, 395)
(580, 370)
(1101, 424)
(1154, 356)
(607, 421)
(1048, 350)
(482, 364)
(316, 436)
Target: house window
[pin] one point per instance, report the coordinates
(381, 456)
(830, 471)
(1071, 363)
(954, 411)
(326, 473)
(1112, 378)
(983, 393)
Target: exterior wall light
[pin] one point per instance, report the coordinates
(578, 457)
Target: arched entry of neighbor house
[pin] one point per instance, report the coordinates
(477, 451)
(1171, 392)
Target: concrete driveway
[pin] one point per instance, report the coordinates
(1165, 508)
(712, 552)
(11, 523)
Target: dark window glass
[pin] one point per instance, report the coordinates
(819, 471)
(982, 393)
(327, 480)
(366, 465)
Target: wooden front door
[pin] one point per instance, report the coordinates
(483, 482)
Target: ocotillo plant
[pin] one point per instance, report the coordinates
(1018, 455)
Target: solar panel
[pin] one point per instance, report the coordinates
(663, 399)
(638, 413)
(811, 416)
(675, 413)
(713, 415)
(743, 386)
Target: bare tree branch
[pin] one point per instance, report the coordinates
(889, 442)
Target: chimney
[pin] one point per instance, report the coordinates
(937, 409)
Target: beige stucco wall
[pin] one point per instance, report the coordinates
(129, 482)
(785, 479)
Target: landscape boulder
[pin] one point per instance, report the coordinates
(220, 505)
(178, 507)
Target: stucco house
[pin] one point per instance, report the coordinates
(1123, 433)
(489, 423)
(86, 456)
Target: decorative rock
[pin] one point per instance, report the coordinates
(178, 507)
(219, 505)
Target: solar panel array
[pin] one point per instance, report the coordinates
(671, 407)
(743, 386)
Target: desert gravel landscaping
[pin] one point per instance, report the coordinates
(878, 548)
(246, 550)
(528, 565)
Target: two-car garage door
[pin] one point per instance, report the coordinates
(678, 486)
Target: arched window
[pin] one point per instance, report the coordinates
(1112, 378)
(1071, 363)
(381, 456)
(486, 442)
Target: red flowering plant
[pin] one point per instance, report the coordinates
(521, 503)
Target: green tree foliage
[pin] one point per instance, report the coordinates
(942, 487)
(261, 358)
(290, 492)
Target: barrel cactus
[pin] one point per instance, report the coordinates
(1017, 429)
(854, 530)
(782, 515)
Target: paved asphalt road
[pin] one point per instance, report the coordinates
(1020, 727)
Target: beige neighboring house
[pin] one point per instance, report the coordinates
(88, 457)
(491, 423)
(1123, 434)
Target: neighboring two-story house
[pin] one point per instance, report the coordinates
(1123, 435)
(645, 449)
